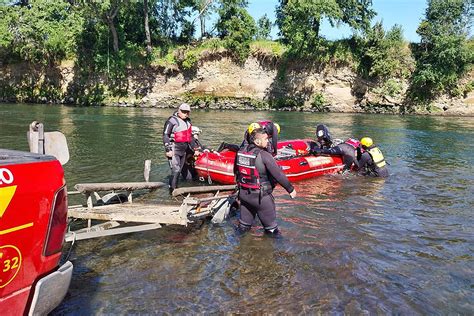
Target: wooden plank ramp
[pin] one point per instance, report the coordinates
(134, 217)
(131, 212)
(92, 189)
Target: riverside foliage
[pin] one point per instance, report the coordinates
(105, 39)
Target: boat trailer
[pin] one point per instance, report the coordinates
(129, 216)
(116, 212)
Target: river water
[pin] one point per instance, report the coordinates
(350, 244)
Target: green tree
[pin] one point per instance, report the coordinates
(264, 27)
(204, 9)
(300, 20)
(42, 32)
(443, 55)
(384, 55)
(107, 11)
(171, 20)
(236, 27)
(146, 25)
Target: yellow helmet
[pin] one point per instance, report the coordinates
(253, 127)
(366, 142)
(277, 126)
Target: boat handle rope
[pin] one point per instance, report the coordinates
(209, 180)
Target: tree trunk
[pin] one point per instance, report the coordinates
(202, 19)
(110, 22)
(147, 27)
(109, 17)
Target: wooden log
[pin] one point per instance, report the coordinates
(125, 186)
(146, 170)
(195, 201)
(204, 189)
(140, 213)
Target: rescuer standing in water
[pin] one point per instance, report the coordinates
(257, 174)
(177, 138)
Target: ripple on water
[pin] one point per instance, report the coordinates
(351, 245)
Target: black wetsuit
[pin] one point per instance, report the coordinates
(189, 171)
(261, 202)
(347, 152)
(176, 124)
(324, 138)
(367, 167)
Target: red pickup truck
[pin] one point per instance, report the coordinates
(33, 221)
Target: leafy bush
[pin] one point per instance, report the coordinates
(391, 87)
(190, 61)
(271, 48)
(319, 103)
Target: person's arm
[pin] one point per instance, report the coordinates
(167, 131)
(332, 151)
(275, 171)
(314, 148)
(195, 144)
(363, 162)
(274, 139)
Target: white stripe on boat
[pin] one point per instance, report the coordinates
(215, 171)
(288, 174)
(311, 171)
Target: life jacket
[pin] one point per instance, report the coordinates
(182, 132)
(248, 175)
(353, 142)
(377, 156)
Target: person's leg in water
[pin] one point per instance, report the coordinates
(177, 163)
(267, 215)
(247, 212)
(347, 160)
(188, 171)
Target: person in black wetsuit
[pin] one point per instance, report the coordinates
(323, 137)
(272, 130)
(195, 148)
(371, 161)
(323, 140)
(257, 174)
(347, 149)
(177, 140)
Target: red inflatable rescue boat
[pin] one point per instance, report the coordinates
(293, 158)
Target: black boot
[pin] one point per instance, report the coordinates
(173, 181)
(274, 233)
(241, 229)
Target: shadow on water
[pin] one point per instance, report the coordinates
(351, 245)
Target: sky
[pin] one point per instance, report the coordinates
(407, 13)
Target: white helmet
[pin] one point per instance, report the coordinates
(195, 130)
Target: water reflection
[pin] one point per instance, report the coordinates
(350, 244)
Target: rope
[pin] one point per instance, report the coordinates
(209, 180)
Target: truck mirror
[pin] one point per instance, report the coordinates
(49, 143)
